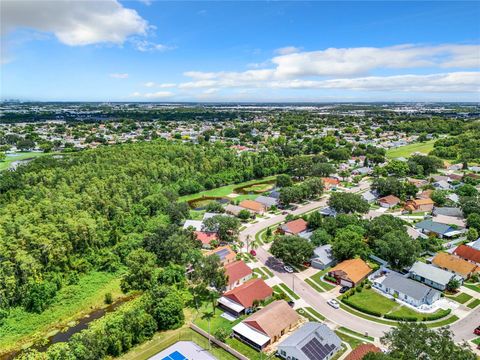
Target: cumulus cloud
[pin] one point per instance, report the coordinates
(119, 76)
(153, 95)
(145, 45)
(74, 23)
(163, 85)
(287, 50)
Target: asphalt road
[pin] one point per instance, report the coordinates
(462, 330)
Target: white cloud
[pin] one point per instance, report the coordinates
(151, 84)
(287, 50)
(74, 23)
(119, 76)
(153, 95)
(145, 45)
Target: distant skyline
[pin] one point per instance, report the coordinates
(197, 51)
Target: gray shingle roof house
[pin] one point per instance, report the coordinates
(369, 196)
(448, 211)
(429, 226)
(322, 257)
(407, 290)
(475, 244)
(313, 341)
(267, 201)
(328, 211)
(431, 275)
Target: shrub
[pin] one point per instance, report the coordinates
(358, 289)
(400, 317)
(436, 316)
(108, 298)
(359, 308)
(330, 278)
(368, 286)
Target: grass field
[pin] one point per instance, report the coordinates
(352, 341)
(347, 330)
(407, 150)
(317, 279)
(71, 303)
(473, 304)
(472, 287)
(5, 164)
(226, 190)
(462, 298)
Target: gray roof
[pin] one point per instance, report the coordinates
(369, 196)
(328, 211)
(323, 254)
(409, 287)
(309, 331)
(431, 272)
(267, 200)
(433, 226)
(475, 244)
(448, 211)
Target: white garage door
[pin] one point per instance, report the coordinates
(346, 283)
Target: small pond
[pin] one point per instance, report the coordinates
(256, 188)
(201, 203)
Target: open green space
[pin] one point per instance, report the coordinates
(353, 342)
(315, 312)
(258, 188)
(305, 314)
(352, 332)
(407, 150)
(225, 190)
(317, 278)
(289, 291)
(71, 303)
(476, 341)
(473, 304)
(5, 164)
(472, 287)
(314, 285)
(462, 298)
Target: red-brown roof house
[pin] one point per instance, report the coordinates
(237, 273)
(419, 205)
(468, 253)
(330, 182)
(294, 227)
(206, 237)
(252, 205)
(360, 351)
(388, 201)
(241, 298)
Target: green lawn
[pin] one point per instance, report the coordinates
(316, 313)
(347, 330)
(407, 150)
(472, 287)
(225, 190)
(314, 285)
(473, 304)
(285, 290)
(289, 291)
(353, 342)
(476, 341)
(260, 273)
(71, 302)
(5, 164)
(365, 316)
(462, 298)
(305, 314)
(317, 278)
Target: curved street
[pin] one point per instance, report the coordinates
(462, 329)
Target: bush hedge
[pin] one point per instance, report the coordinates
(436, 316)
(359, 308)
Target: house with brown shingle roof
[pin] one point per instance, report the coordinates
(267, 325)
(237, 273)
(419, 205)
(252, 205)
(454, 264)
(240, 299)
(350, 272)
(294, 227)
(225, 253)
(468, 253)
(330, 183)
(361, 350)
(388, 201)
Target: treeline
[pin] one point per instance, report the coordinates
(60, 217)
(463, 148)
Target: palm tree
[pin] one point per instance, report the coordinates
(208, 316)
(255, 244)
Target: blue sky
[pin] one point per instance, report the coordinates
(240, 51)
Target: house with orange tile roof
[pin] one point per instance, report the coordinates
(350, 272)
(267, 325)
(294, 227)
(206, 238)
(361, 350)
(241, 299)
(419, 205)
(388, 201)
(454, 264)
(252, 205)
(225, 253)
(468, 253)
(330, 183)
(237, 273)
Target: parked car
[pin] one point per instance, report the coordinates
(333, 303)
(477, 331)
(344, 289)
(253, 252)
(288, 269)
(291, 303)
(285, 212)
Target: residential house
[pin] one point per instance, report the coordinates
(425, 194)
(454, 264)
(267, 325)
(330, 183)
(294, 227)
(415, 234)
(475, 244)
(418, 205)
(453, 197)
(431, 275)
(225, 253)
(432, 227)
(194, 224)
(442, 185)
(417, 182)
(322, 257)
(468, 253)
(240, 299)
(448, 211)
(206, 238)
(350, 272)
(388, 201)
(361, 350)
(369, 197)
(328, 211)
(407, 290)
(275, 194)
(311, 341)
(234, 209)
(252, 205)
(362, 171)
(450, 220)
(237, 273)
(267, 201)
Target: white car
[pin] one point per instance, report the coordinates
(333, 303)
(288, 269)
